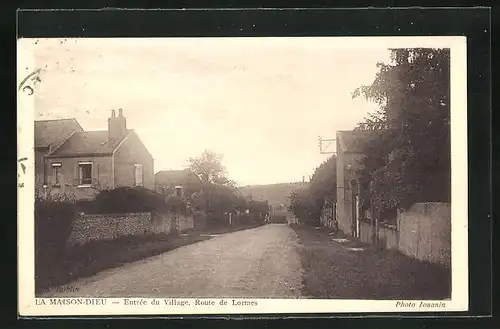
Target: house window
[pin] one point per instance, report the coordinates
(138, 175)
(56, 169)
(85, 173)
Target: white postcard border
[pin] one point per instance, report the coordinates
(31, 306)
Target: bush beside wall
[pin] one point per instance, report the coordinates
(124, 200)
(53, 226)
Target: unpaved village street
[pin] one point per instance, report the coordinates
(259, 262)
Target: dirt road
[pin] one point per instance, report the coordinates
(260, 262)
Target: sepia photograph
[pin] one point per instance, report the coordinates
(215, 175)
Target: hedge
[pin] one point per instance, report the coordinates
(125, 200)
(53, 225)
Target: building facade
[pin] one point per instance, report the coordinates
(82, 163)
(176, 182)
(349, 154)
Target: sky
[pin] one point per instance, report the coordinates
(260, 102)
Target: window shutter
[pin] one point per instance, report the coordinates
(78, 175)
(138, 175)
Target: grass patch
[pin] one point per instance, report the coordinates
(94, 257)
(334, 271)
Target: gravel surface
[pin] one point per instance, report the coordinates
(261, 262)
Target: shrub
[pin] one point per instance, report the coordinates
(125, 199)
(304, 206)
(53, 225)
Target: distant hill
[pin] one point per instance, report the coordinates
(276, 194)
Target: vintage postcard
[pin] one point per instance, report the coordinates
(244, 175)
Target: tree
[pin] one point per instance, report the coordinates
(411, 153)
(307, 203)
(241, 203)
(323, 185)
(304, 206)
(191, 184)
(209, 169)
(217, 194)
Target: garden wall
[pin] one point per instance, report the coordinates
(388, 236)
(365, 231)
(425, 232)
(97, 227)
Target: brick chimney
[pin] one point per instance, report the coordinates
(117, 127)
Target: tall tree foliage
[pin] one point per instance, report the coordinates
(307, 203)
(216, 194)
(323, 185)
(304, 206)
(209, 169)
(409, 160)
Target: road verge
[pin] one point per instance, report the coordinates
(337, 266)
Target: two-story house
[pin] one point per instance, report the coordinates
(80, 163)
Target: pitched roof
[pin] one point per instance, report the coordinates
(174, 177)
(86, 143)
(353, 141)
(54, 132)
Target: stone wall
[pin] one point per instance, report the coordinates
(161, 223)
(98, 227)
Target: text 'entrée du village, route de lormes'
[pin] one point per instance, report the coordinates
(145, 302)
